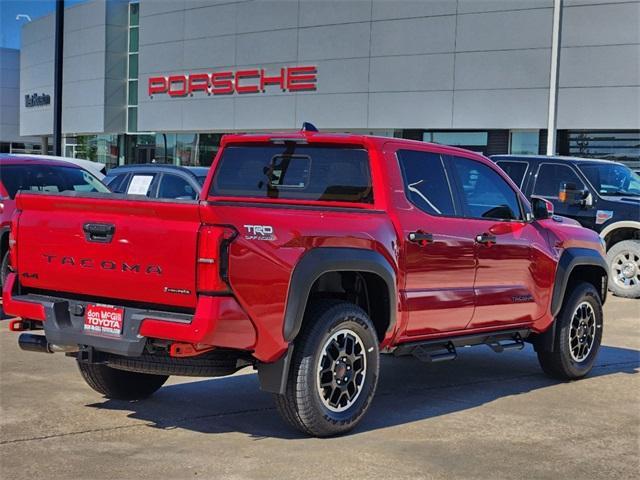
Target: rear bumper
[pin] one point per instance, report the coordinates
(218, 321)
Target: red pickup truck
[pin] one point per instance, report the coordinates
(306, 256)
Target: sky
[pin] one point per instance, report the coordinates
(9, 9)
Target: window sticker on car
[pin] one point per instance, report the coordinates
(140, 184)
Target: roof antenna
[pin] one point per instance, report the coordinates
(308, 127)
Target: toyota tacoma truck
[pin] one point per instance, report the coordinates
(306, 256)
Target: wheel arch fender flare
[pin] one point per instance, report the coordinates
(569, 260)
(321, 260)
(616, 225)
(273, 376)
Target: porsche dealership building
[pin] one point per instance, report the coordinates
(160, 80)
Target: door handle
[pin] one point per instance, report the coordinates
(486, 239)
(99, 232)
(420, 237)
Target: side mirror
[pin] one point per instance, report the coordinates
(542, 208)
(569, 193)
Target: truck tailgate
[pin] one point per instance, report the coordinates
(108, 247)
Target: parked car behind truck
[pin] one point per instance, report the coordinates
(602, 195)
(153, 180)
(307, 256)
(37, 173)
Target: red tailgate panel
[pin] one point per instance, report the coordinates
(150, 257)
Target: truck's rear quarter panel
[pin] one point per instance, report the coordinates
(260, 269)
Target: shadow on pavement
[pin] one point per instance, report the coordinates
(408, 391)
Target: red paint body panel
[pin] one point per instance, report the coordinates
(27, 310)
(453, 286)
(153, 248)
(218, 321)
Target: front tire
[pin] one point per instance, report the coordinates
(624, 268)
(577, 337)
(334, 370)
(120, 384)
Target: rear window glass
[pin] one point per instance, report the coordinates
(48, 178)
(294, 172)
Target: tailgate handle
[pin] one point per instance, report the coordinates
(99, 232)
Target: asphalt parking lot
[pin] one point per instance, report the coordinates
(482, 416)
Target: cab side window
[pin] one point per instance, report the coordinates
(550, 178)
(483, 192)
(425, 182)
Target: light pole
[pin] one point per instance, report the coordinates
(57, 80)
(552, 119)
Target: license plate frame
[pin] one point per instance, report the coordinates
(100, 319)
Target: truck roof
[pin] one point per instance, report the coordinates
(327, 137)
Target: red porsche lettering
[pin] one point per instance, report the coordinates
(292, 79)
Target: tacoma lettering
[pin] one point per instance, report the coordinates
(109, 265)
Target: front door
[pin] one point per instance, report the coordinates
(438, 256)
(514, 271)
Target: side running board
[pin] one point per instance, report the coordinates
(440, 350)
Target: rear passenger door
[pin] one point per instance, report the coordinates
(438, 255)
(511, 281)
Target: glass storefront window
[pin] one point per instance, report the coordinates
(623, 146)
(166, 148)
(526, 142)
(186, 149)
(478, 139)
(98, 148)
(208, 144)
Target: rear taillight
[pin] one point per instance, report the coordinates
(13, 246)
(212, 259)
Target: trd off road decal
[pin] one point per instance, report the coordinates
(259, 232)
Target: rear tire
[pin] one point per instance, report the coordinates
(334, 370)
(120, 384)
(624, 269)
(577, 337)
